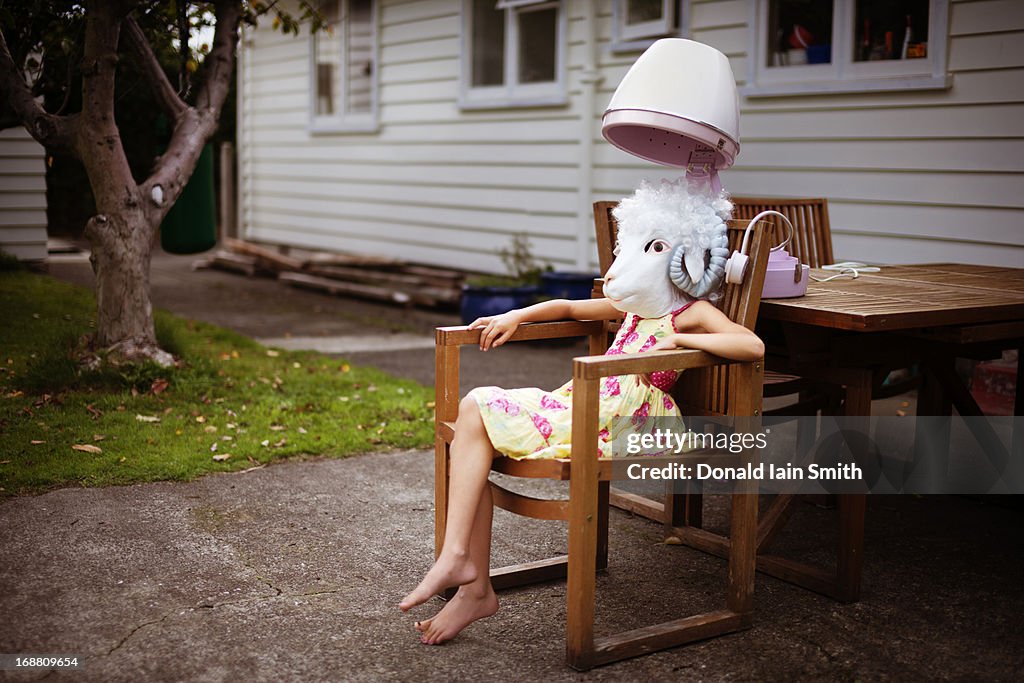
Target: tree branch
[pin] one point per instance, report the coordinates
(53, 132)
(220, 63)
(196, 124)
(162, 89)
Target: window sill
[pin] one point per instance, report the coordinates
(342, 128)
(476, 104)
(837, 87)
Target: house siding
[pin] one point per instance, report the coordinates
(910, 176)
(22, 195)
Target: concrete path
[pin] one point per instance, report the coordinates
(293, 572)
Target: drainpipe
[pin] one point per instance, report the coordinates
(589, 80)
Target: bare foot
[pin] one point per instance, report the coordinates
(447, 571)
(462, 610)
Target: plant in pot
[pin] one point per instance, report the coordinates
(485, 295)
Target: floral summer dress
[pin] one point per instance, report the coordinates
(533, 423)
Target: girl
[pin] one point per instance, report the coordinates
(531, 423)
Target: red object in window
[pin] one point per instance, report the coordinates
(800, 37)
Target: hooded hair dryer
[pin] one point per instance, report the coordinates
(677, 106)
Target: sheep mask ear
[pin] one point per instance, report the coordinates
(698, 271)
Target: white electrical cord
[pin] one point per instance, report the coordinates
(852, 269)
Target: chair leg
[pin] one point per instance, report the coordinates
(603, 505)
(742, 553)
(442, 471)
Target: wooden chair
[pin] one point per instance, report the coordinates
(812, 240)
(708, 385)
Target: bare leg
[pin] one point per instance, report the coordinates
(474, 600)
(471, 463)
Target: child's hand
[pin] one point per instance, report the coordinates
(669, 343)
(496, 329)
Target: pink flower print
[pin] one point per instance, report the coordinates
(500, 403)
(603, 435)
(630, 338)
(549, 403)
(542, 425)
(611, 387)
(651, 341)
(663, 379)
(641, 413)
(613, 351)
(668, 402)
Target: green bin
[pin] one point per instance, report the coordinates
(191, 225)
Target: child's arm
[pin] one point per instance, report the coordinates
(704, 327)
(498, 328)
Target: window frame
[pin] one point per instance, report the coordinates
(345, 121)
(843, 74)
(625, 39)
(512, 93)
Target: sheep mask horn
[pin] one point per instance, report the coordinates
(671, 248)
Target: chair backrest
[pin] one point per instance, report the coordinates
(812, 241)
(705, 392)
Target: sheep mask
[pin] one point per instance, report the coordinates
(671, 249)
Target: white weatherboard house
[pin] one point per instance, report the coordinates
(433, 130)
(22, 195)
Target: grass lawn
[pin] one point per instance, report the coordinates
(232, 405)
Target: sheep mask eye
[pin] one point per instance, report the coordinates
(656, 246)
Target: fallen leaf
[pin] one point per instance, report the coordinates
(4, 462)
(345, 367)
(280, 443)
(265, 442)
(158, 387)
(122, 459)
(272, 353)
(673, 540)
(221, 457)
(36, 442)
(87, 448)
(95, 413)
(302, 430)
(901, 413)
(277, 428)
(200, 419)
(209, 429)
(213, 447)
(147, 418)
(98, 437)
(296, 365)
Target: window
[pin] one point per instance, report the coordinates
(344, 88)
(513, 53)
(642, 20)
(814, 46)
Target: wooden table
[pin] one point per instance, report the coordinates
(853, 331)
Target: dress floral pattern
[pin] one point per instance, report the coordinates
(533, 423)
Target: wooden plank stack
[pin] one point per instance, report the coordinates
(368, 277)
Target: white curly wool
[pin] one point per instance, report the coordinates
(684, 211)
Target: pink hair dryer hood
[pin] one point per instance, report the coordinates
(677, 106)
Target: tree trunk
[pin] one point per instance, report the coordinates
(122, 245)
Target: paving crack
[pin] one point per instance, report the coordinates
(136, 630)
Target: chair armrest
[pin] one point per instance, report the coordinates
(595, 367)
(461, 335)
